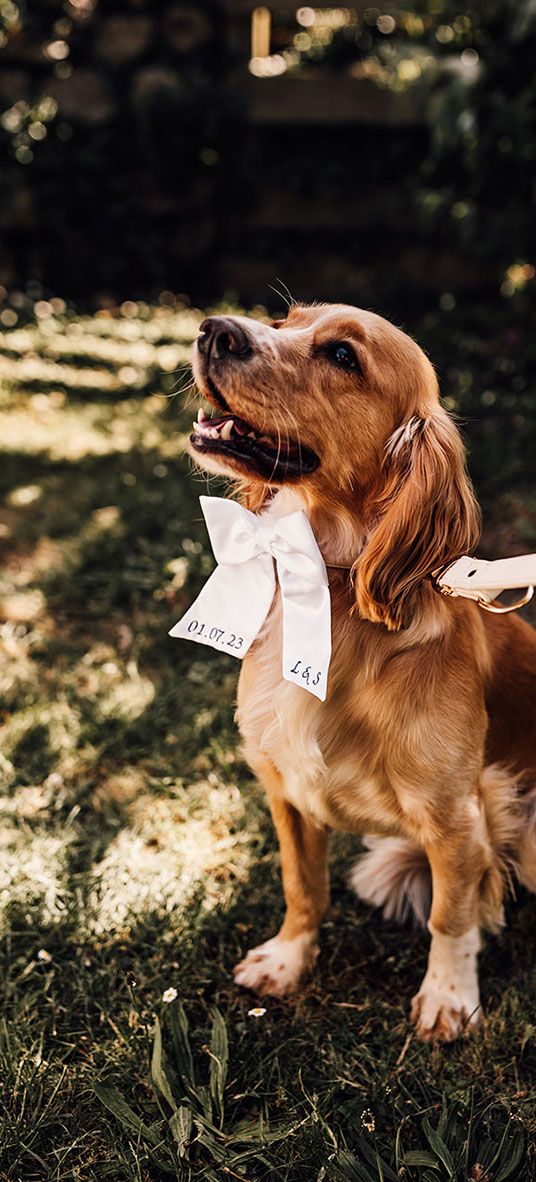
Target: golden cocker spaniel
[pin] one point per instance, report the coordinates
(426, 743)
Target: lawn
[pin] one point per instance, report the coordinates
(137, 853)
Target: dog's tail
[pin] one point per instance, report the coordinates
(526, 851)
(394, 873)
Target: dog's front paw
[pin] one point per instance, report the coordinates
(277, 966)
(448, 1002)
(442, 1016)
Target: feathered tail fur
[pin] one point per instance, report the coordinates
(394, 873)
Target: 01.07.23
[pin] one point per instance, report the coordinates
(214, 634)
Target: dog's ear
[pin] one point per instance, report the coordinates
(424, 514)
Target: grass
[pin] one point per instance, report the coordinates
(138, 856)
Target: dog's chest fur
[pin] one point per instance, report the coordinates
(328, 770)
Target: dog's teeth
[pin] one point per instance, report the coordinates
(251, 435)
(226, 430)
(201, 415)
(213, 433)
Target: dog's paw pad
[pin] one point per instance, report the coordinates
(276, 966)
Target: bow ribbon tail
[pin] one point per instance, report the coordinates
(231, 608)
(306, 632)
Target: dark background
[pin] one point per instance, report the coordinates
(392, 160)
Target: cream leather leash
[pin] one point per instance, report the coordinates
(475, 578)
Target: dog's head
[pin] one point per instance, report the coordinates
(341, 403)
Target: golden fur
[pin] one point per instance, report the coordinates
(427, 735)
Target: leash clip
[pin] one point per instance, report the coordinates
(501, 609)
(487, 605)
(437, 574)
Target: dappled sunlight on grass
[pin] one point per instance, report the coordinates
(107, 816)
(117, 692)
(32, 873)
(64, 432)
(158, 859)
(160, 849)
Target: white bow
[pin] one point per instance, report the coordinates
(233, 604)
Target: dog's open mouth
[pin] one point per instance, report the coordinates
(273, 458)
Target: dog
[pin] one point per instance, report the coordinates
(426, 743)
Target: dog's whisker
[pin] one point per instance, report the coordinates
(288, 299)
(297, 428)
(186, 373)
(192, 398)
(177, 393)
(278, 453)
(280, 296)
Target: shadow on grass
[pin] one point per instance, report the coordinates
(34, 754)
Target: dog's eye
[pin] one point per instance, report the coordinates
(342, 354)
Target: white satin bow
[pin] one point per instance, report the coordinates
(233, 605)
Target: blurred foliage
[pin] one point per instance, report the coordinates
(113, 131)
(127, 145)
(471, 67)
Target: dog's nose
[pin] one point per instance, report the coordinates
(223, 336)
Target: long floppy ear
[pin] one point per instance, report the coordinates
(425, 514)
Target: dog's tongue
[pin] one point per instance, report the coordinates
(241, 427)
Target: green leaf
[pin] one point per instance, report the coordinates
(350, 1169)
(486, 1153)
(204, 1096)
(439, 1147)
(371, 1155)
(180, 1124)
(181, 1045)
(443, 1121)
(219, 1043)
(245, 1131)
(216, 1149)
(219, 1059)
(517, 1152)
(158, 1074)
(529, 1033)
(114, 1102)
(419, 1157)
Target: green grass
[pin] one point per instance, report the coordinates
(137, 853)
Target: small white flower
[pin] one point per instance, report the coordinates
(257, 1012)
(44, 956)
(367, 1120)
(169, 995)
